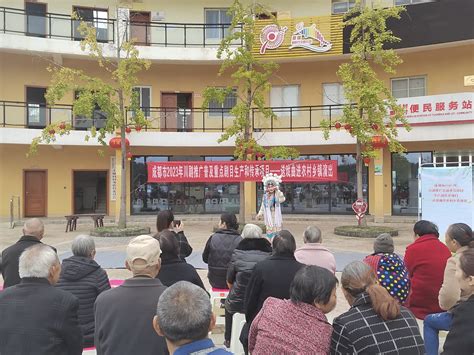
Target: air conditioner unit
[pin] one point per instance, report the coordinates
(157, 15)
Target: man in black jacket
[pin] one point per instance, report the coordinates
(124, 315)
(33, 231)
(86, 280)
(35, 317)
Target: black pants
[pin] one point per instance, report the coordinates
(228, 325)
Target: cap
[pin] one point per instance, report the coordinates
(145, 248)
(384, 244)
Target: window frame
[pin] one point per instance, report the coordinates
(337, 111)
(408, 78)
(349, 5)
(209, 31)
(97, 22)
(410, 2)
(222, 111)
(147, 113)
(285, 113)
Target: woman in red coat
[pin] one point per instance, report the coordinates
(425, 260)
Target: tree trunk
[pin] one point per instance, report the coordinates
(359, 167)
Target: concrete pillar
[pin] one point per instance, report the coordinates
(380, 185)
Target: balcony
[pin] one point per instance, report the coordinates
(159, 34)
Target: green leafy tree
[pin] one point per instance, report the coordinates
(250, 76)
(113, 95)
(367, 116)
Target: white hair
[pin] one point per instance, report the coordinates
(36, 261)
(83, 245)
(251, 231)
(34, 227)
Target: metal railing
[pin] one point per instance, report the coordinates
(166, 34)
(161, 34)
(39, 115)
(52, 25)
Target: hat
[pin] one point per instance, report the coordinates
(271, 178)
(145, 248)
(384, 244)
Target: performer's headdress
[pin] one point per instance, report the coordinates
(271, 178)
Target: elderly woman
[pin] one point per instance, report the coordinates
(375, 323)
(460, 339)
(458, 237)
(252, 249)
(297, 325)
(85, 279)
(174, 269)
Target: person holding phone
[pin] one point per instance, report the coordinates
(165, 221)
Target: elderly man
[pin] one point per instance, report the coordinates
(313, 253)
(35, 317)
(33, 231)
(123, 315)
(85, 279)
(184, 317)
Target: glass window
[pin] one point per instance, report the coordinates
(149, 198)
(35, 19)
(329, 197)
(215, 21)
(97, 18)
(409, 87)
(408, 2)
(405, 181)
(218, 109)
(333, 94)
(342, 6)
(144, 98)
(284, 97)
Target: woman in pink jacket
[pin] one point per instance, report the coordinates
(297, 325)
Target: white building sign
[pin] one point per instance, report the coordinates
(113, 180)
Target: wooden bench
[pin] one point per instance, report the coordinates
(71, 225)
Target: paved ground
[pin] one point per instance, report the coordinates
(110, 251)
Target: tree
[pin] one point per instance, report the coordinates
(114, 96)
(250, 76)
(367, 116)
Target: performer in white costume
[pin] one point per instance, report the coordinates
(271, 204)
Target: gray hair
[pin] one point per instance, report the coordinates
(83, 245)
(36, 261)
(312, 234)
(356, 277)
(34, 227)
(251, 231)
(184, 312)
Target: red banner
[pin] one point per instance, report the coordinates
(235, 171)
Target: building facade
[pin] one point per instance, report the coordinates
(180, 38)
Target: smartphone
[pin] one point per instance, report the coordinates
(176, 222)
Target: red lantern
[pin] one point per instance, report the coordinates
(347, 126)
(62, 125)
(52, 131)
(128, 130)
(138, 128)
(129, 155)
(379, 142)
(375, 126)
(116, 143)
(366, 161)
(338, 125)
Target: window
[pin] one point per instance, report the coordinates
(215, 19)
(333, 94)
(140, 30)
(342, 6)
(97, 18)
(97, 119)
(409, 87)
(217, 109)
(144, 98)
(408, 2)
(35, 19)
(283, 97)
(36, 111)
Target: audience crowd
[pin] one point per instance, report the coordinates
(398, 304)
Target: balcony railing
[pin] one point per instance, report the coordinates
(39, 115)
(51, 25)
(161, 34)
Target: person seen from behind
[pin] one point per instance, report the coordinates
(298, 325)
(458, 238)
(85, 279)
(165, 221)
(425, 260)
(184, 318)
(313, 252)
(460, 339)
(389, 268)
(219, 248)
(376, 323)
